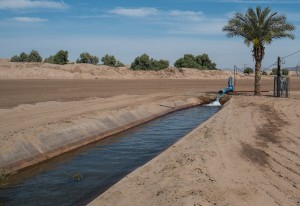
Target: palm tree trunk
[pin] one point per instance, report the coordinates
(257, 90)
(258, 54)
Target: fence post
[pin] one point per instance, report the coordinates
(234, 79)
(275, 89)
(278, 77)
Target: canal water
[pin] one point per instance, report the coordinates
(77, 177)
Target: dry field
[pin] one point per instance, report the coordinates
(16, 92)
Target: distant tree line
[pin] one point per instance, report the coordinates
(143, 62)
(61, 57)
(249, 70)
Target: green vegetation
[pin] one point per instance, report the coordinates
(283, 71)
(110, 60)
(61, 57)
(77, 176)
(274, 71)
(248, 70)
(259, 27)
(144, 62)
(33, 56)
(88, 59)
(264, 73)
(197, 62)
(3, 178)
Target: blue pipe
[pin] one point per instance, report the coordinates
(230, 87)
(226, 90)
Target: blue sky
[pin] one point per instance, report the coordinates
(164, 29)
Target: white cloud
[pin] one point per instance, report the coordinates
(27, 4)
(149, 11)
(182, 22)
(186, 15)
(28, 19)
(138, 12)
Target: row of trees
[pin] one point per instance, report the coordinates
(143, 62)
(61, 57)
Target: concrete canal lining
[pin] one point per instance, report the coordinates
(48, 144)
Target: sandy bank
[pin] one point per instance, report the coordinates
(13, 70)
(247, 154)
(34, 133)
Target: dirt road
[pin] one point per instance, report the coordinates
(16, 92)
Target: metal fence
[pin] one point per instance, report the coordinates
(281, 86)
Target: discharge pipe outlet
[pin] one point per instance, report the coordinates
(230, 87)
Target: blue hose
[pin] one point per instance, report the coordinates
(226, 90)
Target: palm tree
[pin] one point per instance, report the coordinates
(259, 27)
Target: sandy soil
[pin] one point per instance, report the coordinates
(247, 154)
(17, 92)
(12, 70)
(30, 107)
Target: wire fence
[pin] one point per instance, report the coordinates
(274, 64)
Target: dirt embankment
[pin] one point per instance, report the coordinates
(12, 70)
(247, 154)
(24, 70)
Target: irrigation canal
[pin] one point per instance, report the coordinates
(75, 178)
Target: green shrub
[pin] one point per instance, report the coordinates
(110, 60)
(50, 60)
(23, 57)
(197, 62)
(248, 70)
(285, 72)
(274, 71)
(33, 56)
(15, 58)
(264, 73)
(61, 57)
(144, 62)
(119, 64)
(88, 59)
